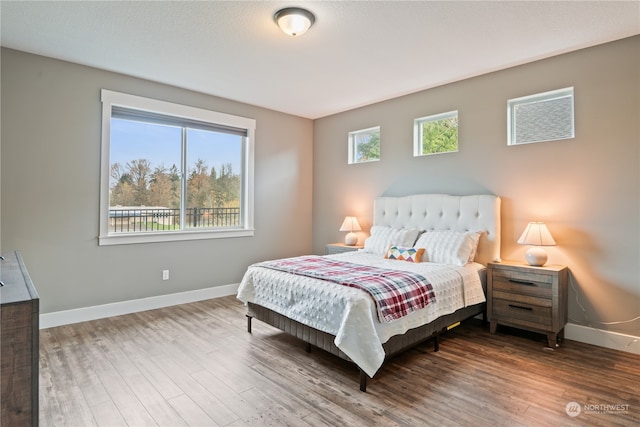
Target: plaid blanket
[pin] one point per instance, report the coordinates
(396, 293)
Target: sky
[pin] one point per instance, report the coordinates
(161, 145)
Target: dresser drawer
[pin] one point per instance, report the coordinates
(521, 311)
(523, 282)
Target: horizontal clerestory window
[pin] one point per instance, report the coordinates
(364, 145)
(547, 116)
(435, 134)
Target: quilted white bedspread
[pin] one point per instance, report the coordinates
(349, 313)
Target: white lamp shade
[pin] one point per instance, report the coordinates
(536, 234)
(350, 224)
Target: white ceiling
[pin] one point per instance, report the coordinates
(357, 53)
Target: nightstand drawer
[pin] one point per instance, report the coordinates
(524, 283)
(524, 299)
(517, 311)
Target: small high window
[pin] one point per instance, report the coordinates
(364, 145)
(542, 117)
(435, 134)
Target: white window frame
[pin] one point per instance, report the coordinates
(352, 144)
(109, 100)
(417, 132)
(530, 99)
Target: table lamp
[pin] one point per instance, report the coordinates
(350, 224)
(536, 234)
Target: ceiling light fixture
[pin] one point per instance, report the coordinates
(294, 21)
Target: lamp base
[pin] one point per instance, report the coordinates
(351, 239)
(536, 256)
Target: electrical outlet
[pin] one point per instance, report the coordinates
(165, 274)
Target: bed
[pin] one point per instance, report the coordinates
(460, 235)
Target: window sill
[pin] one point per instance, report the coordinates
(131, 238)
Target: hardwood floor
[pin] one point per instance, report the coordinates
(196, 365)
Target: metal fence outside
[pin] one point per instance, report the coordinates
(141, 219)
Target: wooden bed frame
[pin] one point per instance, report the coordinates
(426, 212)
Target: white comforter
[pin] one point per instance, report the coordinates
(349, 313)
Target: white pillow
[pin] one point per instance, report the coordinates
(476, 236)
(382, 237)
(448, 247)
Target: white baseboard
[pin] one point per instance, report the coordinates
(67, 317)
(602, 338)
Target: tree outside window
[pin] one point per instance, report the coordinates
(436, 134)
(364, 145)
(173, 169)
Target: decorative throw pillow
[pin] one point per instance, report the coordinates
(404, 254)
(382, 237)
(448, 247)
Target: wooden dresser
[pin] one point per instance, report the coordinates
(19, 344)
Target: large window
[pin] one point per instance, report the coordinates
(173, 172)
(541, 117)
(435, 134)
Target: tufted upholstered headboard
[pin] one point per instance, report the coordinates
(445, 212)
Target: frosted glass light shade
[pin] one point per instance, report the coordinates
(350, 224)
(536, 234)
(294, 21)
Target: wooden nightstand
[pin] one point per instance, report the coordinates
(526, 297)
(338, 248)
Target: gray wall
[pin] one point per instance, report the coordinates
(50, 172)
(586, 189)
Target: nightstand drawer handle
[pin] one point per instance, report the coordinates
(522, 282)
(521, 307)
